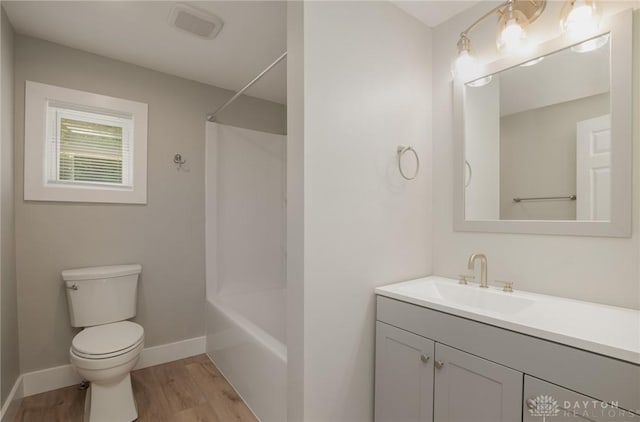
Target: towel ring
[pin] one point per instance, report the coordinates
(401, 150)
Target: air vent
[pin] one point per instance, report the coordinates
(195, 22)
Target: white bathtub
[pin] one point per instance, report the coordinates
(246, 340)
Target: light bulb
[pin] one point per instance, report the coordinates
(512, 35)
(464, 65)
(580, 17)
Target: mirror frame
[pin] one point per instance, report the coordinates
(620, 26)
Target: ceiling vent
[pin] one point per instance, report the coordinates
(195, 22)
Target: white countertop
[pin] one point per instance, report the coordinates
(607, 330)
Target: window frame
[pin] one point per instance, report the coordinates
(38, 186)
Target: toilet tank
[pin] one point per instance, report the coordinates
(100, 295)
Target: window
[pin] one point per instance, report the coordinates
(88, 148)
(83, 147)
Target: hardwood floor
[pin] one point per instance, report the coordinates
(187, 390)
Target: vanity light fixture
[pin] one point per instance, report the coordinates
(580, 17)
(515, 16)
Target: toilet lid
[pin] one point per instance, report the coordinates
(107, 338)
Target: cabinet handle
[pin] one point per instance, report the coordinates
(531, 404)
(439, 364)
(424, 358)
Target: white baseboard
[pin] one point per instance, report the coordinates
(63, 376)
(37, 382)
(164, 353)
(10, 408)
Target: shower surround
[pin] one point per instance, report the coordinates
(245, 260)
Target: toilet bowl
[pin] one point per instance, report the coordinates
(104, 355)
(101, 300)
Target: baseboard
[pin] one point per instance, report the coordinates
(63, 376)
(37, 382)
(164, 353)
(10, 408)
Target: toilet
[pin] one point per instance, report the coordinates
(100, 300)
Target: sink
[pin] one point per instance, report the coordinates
(491, 299)
(604, 329)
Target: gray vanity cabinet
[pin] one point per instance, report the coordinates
(543, 399)
(404, 376)
(434, 366)
(469, 388)
(418, 380)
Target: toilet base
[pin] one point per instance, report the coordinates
(111, 402)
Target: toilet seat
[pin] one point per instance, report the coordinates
(104, 364)
(108, 340)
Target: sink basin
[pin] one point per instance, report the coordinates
(599, 328)
(491, 299)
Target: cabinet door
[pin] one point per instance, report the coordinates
(472, 389)
(544, 400)
(404, 376)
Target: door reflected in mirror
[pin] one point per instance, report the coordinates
(538, 138)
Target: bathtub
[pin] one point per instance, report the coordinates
(246, 341)
(245, 264)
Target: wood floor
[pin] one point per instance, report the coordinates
(187, 390)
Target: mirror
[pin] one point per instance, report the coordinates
(538, 133)
(541, 141)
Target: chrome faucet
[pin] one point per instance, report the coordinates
(483, 267)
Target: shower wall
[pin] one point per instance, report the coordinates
(245, 253)
(245, 210)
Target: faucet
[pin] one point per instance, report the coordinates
(483, 267)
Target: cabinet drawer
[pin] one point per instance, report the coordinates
(542, 399)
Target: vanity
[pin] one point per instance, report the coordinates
(452, 352)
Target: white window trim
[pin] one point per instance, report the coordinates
(36, 185)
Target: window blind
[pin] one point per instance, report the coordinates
(89, 148)
(90, 152)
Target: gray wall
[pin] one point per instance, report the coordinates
(166, 236)
(9, 369)
(538, 158)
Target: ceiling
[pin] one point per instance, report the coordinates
(432, 12)
(138, 32)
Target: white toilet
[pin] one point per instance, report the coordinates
(100, 300)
